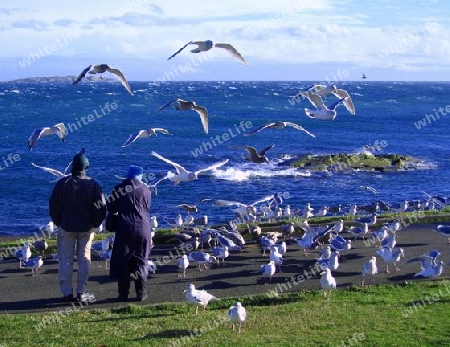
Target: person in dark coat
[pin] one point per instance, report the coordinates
(132, 243)
(76, 206)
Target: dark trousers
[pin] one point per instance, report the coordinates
(132, 270)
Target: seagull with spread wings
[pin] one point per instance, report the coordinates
(145, 133)
(257, 157)
(101, 68)
(203, 46)
(184, 105)
(321, 112)
(183, 175)
(278, 126)
(323, 90)
(38, 133)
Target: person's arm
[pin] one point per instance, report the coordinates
(54, 205)
(99, 206)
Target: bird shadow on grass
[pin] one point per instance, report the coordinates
(168, 334)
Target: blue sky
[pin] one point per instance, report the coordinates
(314, 40)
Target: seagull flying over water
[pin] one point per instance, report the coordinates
(321, 112)
(183, 175)
(203, 46)
(145, 133)
(257, 157)
(323, 90)
(278, 126)
(58, 129)
(184, 105)
(101, 68)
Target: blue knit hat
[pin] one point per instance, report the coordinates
(135, 172)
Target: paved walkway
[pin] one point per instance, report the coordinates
(23, 293)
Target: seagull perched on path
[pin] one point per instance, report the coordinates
(101, 68)
(323, 90)
(34, 264)
(184, 105)
(183, 175)
(145, 133)
(429, 265)
(203, 46)
(278, 126)
(443, 230)
(268, 270)
(202, 258)
(237, 314)
(58, 129)
(182, 264)
(198, 297)
(369, 268)
(321, 112)
(390, 255)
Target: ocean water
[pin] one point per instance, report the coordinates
(101, 116)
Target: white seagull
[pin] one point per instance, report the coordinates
(34, 264)
(278, 126)
(23, 254)
(184, 105)
(101, 68)
(145, 133)
(268, 270)
(429, 265)
(369, 268)
(183, 175)
(321, 112)
(323, 90)
(276, 257)
(58, 129)
(202, 258)
(198, 297)
(390, 255)
(237, 314)
(182, 264)
(203, 46)
(327, 282)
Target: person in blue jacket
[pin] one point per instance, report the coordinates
(131, 199)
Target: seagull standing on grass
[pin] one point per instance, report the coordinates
(237, 314)
(183, 175)
(101, 68)
(198, 297)
(203, 46)
(184, 105)
(327, 282)
(38, 133)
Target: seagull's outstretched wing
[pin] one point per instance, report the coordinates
(315, 100)
(82, 74)
(222, 203)
(298, 127)
(213, 166)
(54, 172)
(166, 105)
(258, 129)
(121, 77)
(133, 137)
(265, 149)
(252, 151)
(187, 44)
(203, 116)
(60, 130)
(35, 135)
(180, 169)
(162, 131)
(232, 50)
(348, 103)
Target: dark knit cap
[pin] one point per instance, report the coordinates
(135, 172)
(79, 163)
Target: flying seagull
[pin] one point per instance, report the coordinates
(183, 175)
(321, 112)
(101, 68)
(58, 129)
(363, 76)
(323, 90)
(184, 105)
(255, 156)
(144, 133)
(278, 126)
(370, 189)
(203, 46)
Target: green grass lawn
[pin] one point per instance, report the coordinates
(408, 314)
